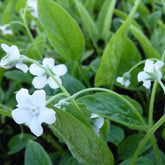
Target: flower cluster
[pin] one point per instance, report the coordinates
(31, 109)
(42, 78)
(151, 72)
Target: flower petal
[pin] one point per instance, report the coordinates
(39, 98)
(147, 84)
(158, 65)
(143, 76)
(119, 80)
(159, 75)
(36, 70)
(127, 83)
(22, 96)
(39, 82)
(21, 116)
(5, 47)
(149, 66)
(22, 67)
(53, 84)
(35, 127)
(48, 62)
(47, 116)
(14, 52)
(60, 70)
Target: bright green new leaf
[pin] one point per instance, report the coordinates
(88, 22)
(36, 155)
(114, 107)
(83, 143)
(112, 53)
(62, 30)
(105, 18)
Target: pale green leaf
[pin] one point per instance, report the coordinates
(62, 30)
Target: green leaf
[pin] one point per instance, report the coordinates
(105, 18)
(67, 159)
(112, 54)
(18, 76)
(71, 84)
(116, 135)
(87, 21)
(114, 107)
(36, 48)
(62, 30)
(149, 50)
(36, 155)
(82, 142)
(128, 146)
(8, 13)
(18, 142)
(139, 161)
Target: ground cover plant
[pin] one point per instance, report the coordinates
(82, 82)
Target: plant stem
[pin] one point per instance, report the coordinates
(156, 149)
(146, 138)
(151, 107)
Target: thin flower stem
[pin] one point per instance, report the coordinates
(162, 85)
(151, 107)
(109, 91)
(156, 149)
(55, 97)
(146, 138)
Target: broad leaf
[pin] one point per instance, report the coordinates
(83, 143)
(114, 107)
(112, 54)
(18, 142)
(36, 155)
(62, 30)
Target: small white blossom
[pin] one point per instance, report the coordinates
(97, 122)
(33, 5)
(6, 29)
(12, 57)
(42, 78)
(62, 104)
(151, 72)
(32, 110)
(125, 80)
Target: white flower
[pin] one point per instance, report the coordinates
(97, 122)
(33, 5)
(151, 72)
(6, 29)
(125, 80)
(32, 111)
(62, 104)
(12, 57)
(42, 78)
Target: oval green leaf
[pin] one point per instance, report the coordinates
(62, 30)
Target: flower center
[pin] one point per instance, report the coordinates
(34, 111)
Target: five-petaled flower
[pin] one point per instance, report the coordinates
(6, 29)
(125, 80)
(42, 78)
(32, 110)
(33, 5)
(12, 58)
(151, 72)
